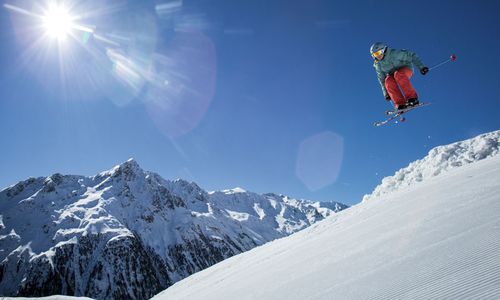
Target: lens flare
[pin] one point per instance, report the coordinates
(183, 85)
(128, 56)
(319, 160)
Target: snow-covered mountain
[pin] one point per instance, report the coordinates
(128, 234)
(432, 231)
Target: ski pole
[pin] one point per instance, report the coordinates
(453, 57)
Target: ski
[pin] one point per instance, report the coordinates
(394, 114)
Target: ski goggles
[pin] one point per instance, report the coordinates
(379, 53)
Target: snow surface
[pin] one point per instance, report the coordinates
(432, 231)
(439, 160)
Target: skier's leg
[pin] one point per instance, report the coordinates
(393, 89)
(402, 77)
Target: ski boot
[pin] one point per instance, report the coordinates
(412, 102)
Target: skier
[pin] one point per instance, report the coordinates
(394, 70)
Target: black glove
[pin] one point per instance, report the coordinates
(424, 70)
(387, 97)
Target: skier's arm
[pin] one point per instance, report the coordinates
(381, 79)
(415, 60)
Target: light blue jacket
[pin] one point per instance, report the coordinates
(393, 60)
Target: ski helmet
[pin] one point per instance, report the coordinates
(378, 46)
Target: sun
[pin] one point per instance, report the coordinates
(57, 22)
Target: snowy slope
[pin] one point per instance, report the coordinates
(439, 160)
(129, 233)
(437, 238)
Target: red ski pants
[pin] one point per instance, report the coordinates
(399, 86)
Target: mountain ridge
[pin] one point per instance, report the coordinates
(126, 232)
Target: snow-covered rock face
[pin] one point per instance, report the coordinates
(438, 160)
(128, 233)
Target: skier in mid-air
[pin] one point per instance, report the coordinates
(394, 70)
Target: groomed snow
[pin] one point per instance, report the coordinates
(437, 238)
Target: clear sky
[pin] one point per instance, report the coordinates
(271, 96)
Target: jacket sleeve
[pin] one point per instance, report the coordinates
(381, 78)
(415, 60)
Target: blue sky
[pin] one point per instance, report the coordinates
(272, 96)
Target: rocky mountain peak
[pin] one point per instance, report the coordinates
(129, 170)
